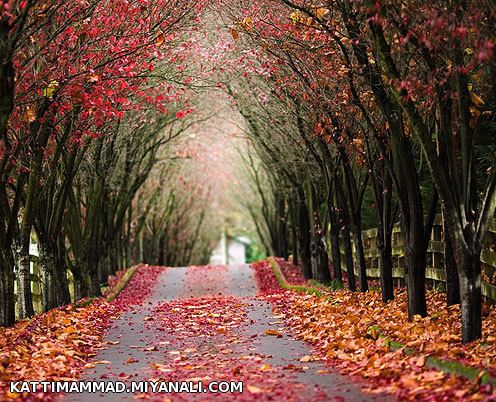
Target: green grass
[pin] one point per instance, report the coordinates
(446, 366)
(286, 286)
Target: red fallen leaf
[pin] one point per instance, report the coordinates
(131, 360)
(148, 319)
(150, 349)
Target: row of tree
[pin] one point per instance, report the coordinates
(382, 100)
(90, 93)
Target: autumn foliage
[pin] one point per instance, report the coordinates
(60, 344)
(352, 331)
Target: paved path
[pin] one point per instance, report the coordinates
(136, 343)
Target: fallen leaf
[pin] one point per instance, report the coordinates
(421, 361)
(265, 367)
(254, 390)
(273, 332)
(160, 38)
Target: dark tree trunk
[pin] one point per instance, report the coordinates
(345, 230)
(320, 258)
(90, 276)
(7, 304)
(360, 255)
(48, 262)
(282, 243)
(386, 268)
(382, 185)
(7, 80)
(294, 243)
(80, 291)
(348, 254)
(320, 261)
(452, 279)
(304, 239)
(415, 263)
(471, 296)
(54, 275)
(63, 294)
(161, 250)
(335, 251)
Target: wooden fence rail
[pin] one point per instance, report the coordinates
(435, 257)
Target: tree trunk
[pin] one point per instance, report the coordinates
(282, 242)
(90, 276)
(452, 280)
(320, 261)
(360, 254)
(63, 294)
(294, 242)
(48, 261)
(386, 267)
(415, 279)
(25, 307)
(92, 283)
(335, 251)
(54, 274)
(80, 290)
(161, 250)
(471, 296)
(7, 81)
(345, 230)
(304, 240)
(348, 252)
(7, 304)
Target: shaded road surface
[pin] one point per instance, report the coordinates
(206, 324)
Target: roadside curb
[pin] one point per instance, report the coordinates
(276, 269)
(446, 366)
(121, 285)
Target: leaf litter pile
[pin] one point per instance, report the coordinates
(57, 345)
(347, 332)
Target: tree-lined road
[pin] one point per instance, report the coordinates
(269, 365)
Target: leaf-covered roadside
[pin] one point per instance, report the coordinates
(345, 328)
(58, 344)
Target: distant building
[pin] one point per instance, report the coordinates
(230, 250)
